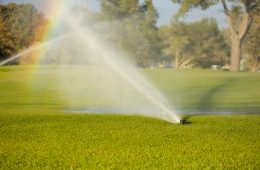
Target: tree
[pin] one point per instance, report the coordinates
(118, 9)
(149, 32)
(133, 28)
(198, 44)
(207, 43)
(20, 26)
(175, 42)
(239, 18)
(251, 50)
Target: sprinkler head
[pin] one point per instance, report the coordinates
(182, 122)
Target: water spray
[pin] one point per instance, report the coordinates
(111, 57)
(34, 48)
(123, 69)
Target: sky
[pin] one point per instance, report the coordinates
(165, 8)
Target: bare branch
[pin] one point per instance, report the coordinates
(226, 10)
(227, 13)
(233, 31)
(245, 24)
(258, 67)
(247, 5)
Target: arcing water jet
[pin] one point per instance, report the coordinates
(125, 70)
(34, 48)
(115, 75)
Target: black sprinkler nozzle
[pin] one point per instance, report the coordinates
(182, 122)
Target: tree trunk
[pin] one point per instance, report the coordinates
(237, 35)
(177, 59)
(235, 54)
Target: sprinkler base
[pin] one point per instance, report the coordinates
(182, 122)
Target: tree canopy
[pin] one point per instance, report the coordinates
(135, 26)
(198, 44)
(20, 26)
(239, 16)
(132, 27)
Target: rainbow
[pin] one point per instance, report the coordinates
(53, 15)
(44, 32)
(33, 56)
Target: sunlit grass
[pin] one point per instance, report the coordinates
(110, 141)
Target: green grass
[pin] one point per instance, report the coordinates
(34, 134)
(209, 91)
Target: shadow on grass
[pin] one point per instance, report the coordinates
(207, 102)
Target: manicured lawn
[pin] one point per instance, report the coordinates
(35, 134)
(204, 91)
